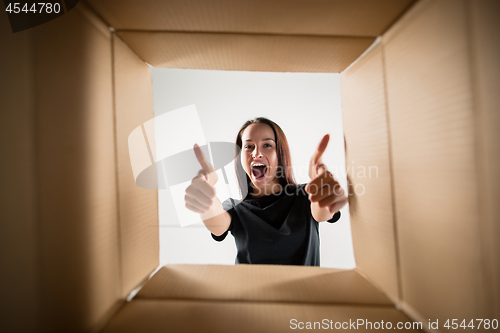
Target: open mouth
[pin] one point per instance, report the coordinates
(259, 171)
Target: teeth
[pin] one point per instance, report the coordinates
(258, 164)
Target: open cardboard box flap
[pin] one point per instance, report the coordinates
(422, 105)
(250, 298)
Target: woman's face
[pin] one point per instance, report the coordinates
(258, 156)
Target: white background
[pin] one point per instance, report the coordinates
(305, 106)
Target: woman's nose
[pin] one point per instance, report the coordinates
(256, 153)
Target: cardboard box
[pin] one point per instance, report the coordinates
(78, 235)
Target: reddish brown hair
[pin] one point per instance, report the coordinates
(282, 151)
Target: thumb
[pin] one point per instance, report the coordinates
(201, 159)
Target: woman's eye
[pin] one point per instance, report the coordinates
(266, 145)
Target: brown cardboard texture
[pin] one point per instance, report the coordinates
(420, 104)
(419, 111)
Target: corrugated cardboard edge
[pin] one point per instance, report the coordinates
(484, 46)
(248, 317)
(19, 206)
(263, 283)
(244, 52)
(169, 301)
(361, 18)
(78, 240)
(476, 296)
(138, 207)
(368, 144)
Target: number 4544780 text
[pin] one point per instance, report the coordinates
(38, 8)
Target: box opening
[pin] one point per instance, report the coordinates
(224, 100)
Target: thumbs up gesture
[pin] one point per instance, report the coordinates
(200, 193)
(324, 191)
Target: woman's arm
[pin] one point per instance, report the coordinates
(216, 219)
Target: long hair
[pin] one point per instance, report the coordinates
(285, 177)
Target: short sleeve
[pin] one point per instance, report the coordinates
(221, 237)
(228, 206)
(335, 217)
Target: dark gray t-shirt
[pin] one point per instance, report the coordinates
(275, 229)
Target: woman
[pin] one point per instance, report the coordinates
(277, 220)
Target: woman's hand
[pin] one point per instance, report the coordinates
(200, 194)
(325, 193)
